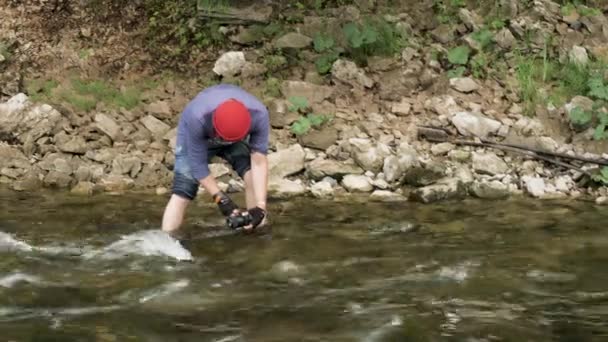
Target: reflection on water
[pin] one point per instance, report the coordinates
(97, 269)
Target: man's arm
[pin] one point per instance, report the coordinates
(259, 176)
(197, 155)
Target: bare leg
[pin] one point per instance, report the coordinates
(249, 194)
(174, 213)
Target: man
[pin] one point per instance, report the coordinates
(225, 121)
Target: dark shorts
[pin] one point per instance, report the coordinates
(184, 185)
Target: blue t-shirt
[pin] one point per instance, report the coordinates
(195, 128)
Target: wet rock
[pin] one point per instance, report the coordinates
(312, 92)
(464, 84)
(293, 40)
(322, 189)
(29, 182)
(535, 186)
(116, 183)
(230, 64)
(11, 157)
(108, 126)
(357, 183)
(441, 148)
(602, 200)
(286, 162)
(85, 189)
(490, 190)
(578, 55)
(386, 196)
(447, 188)
(369, 157)
(474, 124)
(57, 179)
(27, 122)
(489, 164)
(285, 188)
(71, 144)
(320, 168)
(155, 126)
(505, 39)
(286, 270)
(349, 73)
(126, 164)
(422, 176)
(320, 139)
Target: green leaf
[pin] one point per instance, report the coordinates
(325, 62)
(316, 119)
(597, 88)
(459, 55)
(297, 103)
(369, 35)
(602, 176)
(458, 72)
(600, 132)
(301, 126)
(323, 43)
(579, 116)
(484, 37)
(353, 35)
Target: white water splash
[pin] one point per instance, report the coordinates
(9, 244)
(383, 332)
(164, 290)
(459, 272)
(18, 277)
(146, 243)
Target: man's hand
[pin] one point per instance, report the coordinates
(258, 218)
(225, 203)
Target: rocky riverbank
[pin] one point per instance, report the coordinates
(368, 144)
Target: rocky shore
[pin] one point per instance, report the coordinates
(371, 144)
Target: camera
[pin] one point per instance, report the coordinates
(236, 221)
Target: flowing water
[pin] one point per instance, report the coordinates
(98, 269)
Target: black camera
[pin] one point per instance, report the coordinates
(236, 221)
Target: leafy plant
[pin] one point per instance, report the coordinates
(322, 42)
(457, 72)
(305, 123)
(601, 131)
(579, 116)
(298, 103)
(484, 37)
(459, 55)
(598, 88)
(602, 176)
(324, 62)
(272, 87)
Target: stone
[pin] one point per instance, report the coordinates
(442, 148)
(367, 156)
(471, 19)
(490, 190)
(104, 155)
(444, 34)
(578, 55)
(464, 173)
(218, 170)
(422, 176)
(529, 127)
(464, 84)
(395, 166)
(320, 139)
(602, 200)
(155, 126)
(349, 73)
(459, 155)
(159, 109)
(386, 196)
(230, 63)
(474, 124)
(320, 168)
(357, 183)
(312, 92)
(27, 122)
(108, 126)
(286, 162)
(284, 188)
(401, 108)
(535, 186)
(84, 188)
(29, 182)
(12, 157)
(564, 183)
(126, 164)
(293, 40)
(443, 105)
(505, 39)
(57, 179)
(280, 115)
(161, 190)
(116, 183)
(445, 189)
(488, 164)
(322, 189)
(74, 144)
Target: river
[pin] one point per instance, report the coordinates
(71, 269)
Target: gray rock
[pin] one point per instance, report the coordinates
(320, 139)
(459, 155)
(401, 108)
(490, 190)
(155, 126)
(443, 33)
(159, 109)
(441, 148)
(85, 189)
(312, 92)
(463, 173)
(601, 200)
(218, 170)
(386, 196)
(230, 63)
(72, 144)
(349, 73)
(28, 122)
(447, 188)
(464, 84)
(116, 183)
(322, 189)
(505, 39)
(286, 162)
(108, 126)
(535, 186)
(57, 179)
(578, 55)
(280, 115)
(368, 156)
(471, 19)
(284, 188)
(473, 124)
(293, 40)
(11, 157)
(321, 168)
(126, 164)
(357, 183)
(443, 105)
(489, 164)
(395, 166)
(423, 176)
(104, 155)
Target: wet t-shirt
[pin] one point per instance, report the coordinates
(195, 129)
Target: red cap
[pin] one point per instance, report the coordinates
(231, 120)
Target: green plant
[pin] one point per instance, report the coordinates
(4, 51)
(323, 43)
(484, 37)
(447, 10)
(272, 87)
(602, 176)
(579, 116)
(598, 87)
(40, 90)
(372, 37)
(324, 63)
(601, 130)
(459, 55)
(274, 63)
(308, 120)
(297, 103)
